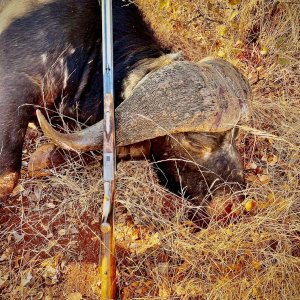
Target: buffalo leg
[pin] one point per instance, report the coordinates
(13, 125)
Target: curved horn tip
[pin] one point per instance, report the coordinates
(56, 137)
(84, 140)
(45, 126)
(40, 116)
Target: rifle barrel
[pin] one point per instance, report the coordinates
(107, 47)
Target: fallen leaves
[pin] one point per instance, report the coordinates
(62, 232)
(283, 61)
(6, 254)
(234, 2)
(26, 278)
(221, 53)
(233, 15)
(272, 160)
(89, 284)
(51, 270)
(163, 4)
(74, 296)
(264, 51)
(250, 205)
(190, 288)
(141, 246)
(140, 287)
(264, 178)
(18, 190)
(164, 291)
(18, 237)
(222, 29)
(135, 239)
(50, 205)
(256, 265)
(258, 174)
(3, 280)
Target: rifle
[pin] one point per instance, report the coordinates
(107, 256)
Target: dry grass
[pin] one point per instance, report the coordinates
(49, 231)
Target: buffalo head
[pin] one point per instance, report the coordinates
(189, 112)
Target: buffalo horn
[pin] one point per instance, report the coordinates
(209, 96)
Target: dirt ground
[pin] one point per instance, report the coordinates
(49, 228)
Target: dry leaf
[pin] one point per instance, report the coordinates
(17, 237)
(264, 157)
(222, 29)
(251, 166)
(141, 246)
(6, 255)
(49, 236)
(264, 50)
(164, 291)
(164, 4)
(234, 2)
(50, 205)
(272, 160)
(281, 60)
(26, 278)
(185, 288)
(264, 179)
(221, 53)
(256, 265)
(233, 15)
(3, 280)
(32, 126)
(250, 205)
(74, 296)
(271, 198)
(62, 232)
(50, 275)
(17, 190)
(51, 269)
(73, 230)
(51, 244)
(251, 178)
(161, 269)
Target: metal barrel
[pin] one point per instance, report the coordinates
(107, 47)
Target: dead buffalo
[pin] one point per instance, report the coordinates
(185, 113)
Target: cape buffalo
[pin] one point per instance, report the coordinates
(50, 56)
